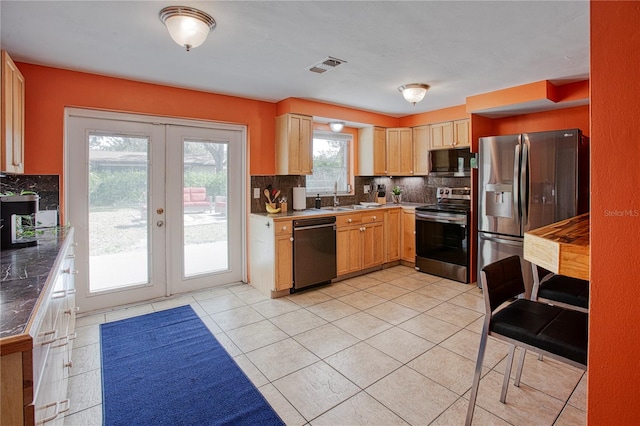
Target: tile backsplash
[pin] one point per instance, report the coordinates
(415, 189)
(46, 186)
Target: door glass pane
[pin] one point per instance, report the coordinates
(118, 232)
(205, 233)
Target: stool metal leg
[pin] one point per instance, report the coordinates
(523, 352)
(478, 373)
(507, 374)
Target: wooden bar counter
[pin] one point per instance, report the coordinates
(562, 247)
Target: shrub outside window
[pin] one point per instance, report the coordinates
(331, 164)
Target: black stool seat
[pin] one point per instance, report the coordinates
(571, 291)
(558, 331)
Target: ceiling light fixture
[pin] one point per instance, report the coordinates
(414, 92)
(336, 126)
(187, 26)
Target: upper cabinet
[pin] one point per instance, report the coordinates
(294, 144)
(399, 152)
(385, 152)
(450, 134)
(421, 150)
(12, 117)
(372, 151)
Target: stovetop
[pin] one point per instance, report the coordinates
(450, 200)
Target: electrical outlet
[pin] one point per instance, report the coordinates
(256, 192)
(367, 189)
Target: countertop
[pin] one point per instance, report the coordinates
(294, 214)
(24, 273)
(561, 247)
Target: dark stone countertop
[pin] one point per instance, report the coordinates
(23, 275)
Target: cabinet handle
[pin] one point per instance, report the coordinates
(375, 217)
(349, 220)
(50, 340)
(68, 365)
(284, 228)
(57, 411)
(72, 310)
(71, 256)
(58, 294)
(290, 238)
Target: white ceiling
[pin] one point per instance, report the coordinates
(263, 49)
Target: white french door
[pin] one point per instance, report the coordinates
(149, 201)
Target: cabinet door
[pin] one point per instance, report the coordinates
(348, 249)
(441, 135)
(284, 262)
(294, 143)
(373, 245)
(379, 151)
(399, 152)
(421, 150)
(461, 133)
(12, 117)
(392, 234)
(408, 236)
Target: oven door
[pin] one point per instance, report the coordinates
(442, 244)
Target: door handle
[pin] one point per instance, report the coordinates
(159, 223)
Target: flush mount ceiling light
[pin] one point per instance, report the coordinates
(187, 26)
(414, 92)
(336, 126)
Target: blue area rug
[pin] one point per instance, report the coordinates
(166, 368)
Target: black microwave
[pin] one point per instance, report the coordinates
(451, 162)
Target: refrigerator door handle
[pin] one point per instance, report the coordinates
(509, 242)
(516, 187)
(524, 183)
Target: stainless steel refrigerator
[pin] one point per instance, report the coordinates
(527, 181)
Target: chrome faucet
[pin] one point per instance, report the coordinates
(336, 203)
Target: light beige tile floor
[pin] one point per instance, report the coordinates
(393, 347)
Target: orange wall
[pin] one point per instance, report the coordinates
(445, 114)
(50, 90)
(320, 109)
(568, 118)
(614, 323)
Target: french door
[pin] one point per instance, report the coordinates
(150, 201)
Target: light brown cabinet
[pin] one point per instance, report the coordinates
(271, 254)
(359, 241)
(372, 239)
(372, 151)
(409, 235)
(11, 117)
(399, 152)
(284, 254)
(461, 135)
(450, 134)
(294, 144)
(421, 137)
(392, 234)
(35, 365)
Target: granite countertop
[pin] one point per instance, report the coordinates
(293, 214)
(23, 275)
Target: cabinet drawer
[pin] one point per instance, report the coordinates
(284, 227)
(348, 219)
(377, 216)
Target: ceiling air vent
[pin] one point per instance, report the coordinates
(326, 65)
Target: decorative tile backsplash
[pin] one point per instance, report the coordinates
(414, 189)
(46, 186)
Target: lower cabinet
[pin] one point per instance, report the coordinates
(408, 235)
(360, 241)
(36, 365)
(284, 255)
(271, 255)
(392, 234)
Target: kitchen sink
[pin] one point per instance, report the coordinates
(347, 208)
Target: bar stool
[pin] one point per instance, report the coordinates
(558, 333)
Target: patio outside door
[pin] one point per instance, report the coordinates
(149, 202)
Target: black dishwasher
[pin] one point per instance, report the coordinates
(314, 251)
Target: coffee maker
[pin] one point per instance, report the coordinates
(13, 209)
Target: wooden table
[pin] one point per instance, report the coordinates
(562, 247)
